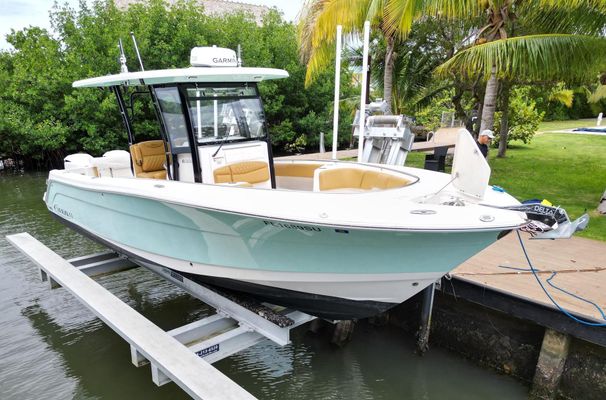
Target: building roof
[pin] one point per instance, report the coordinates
(215, 7)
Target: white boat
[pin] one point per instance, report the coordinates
(338, 240)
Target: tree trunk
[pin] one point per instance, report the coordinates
(602, 205)
(459, 110)
(490, 101)
(388, 74)
(504, 120)
(476, 125)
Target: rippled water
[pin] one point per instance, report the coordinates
(51, 347)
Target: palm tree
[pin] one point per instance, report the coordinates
(393, 19)
(317, 26)
(563, 39)
(532, 40)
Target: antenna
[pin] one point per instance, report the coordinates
(132, 35)
(123, 67)
(239, 55)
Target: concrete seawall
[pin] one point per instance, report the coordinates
(512, 345)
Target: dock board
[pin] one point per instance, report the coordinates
(580, 264)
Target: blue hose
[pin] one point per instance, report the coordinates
(555, 303)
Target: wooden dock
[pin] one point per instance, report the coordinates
(580, 265)
(428, 146)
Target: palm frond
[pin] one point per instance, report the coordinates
(561, 17)
(536, 57)
(425, 94)
(319, 60)
(564, 96)
(308, 20)
(571, 4)
(317, 27)
(400, 14)
(598, 94)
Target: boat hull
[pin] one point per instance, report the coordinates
(329, 272)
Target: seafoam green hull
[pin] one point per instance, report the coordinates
(209, 237)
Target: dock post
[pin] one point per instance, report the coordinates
(343, 332)
(425, 323)
(550, 365)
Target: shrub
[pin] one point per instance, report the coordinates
(282, 134)
(430, 117)
(298, 146)
(524, 118)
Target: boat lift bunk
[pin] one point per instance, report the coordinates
(182, 355)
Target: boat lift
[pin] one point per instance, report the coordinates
(182, 355)
(387, 138)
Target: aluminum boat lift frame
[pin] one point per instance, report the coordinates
(182, 355)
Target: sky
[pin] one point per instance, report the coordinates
(18, 14)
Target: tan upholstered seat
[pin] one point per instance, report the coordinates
(355, 178)
(245, 171)
(149, 159)
(379, 180)
(299, 170)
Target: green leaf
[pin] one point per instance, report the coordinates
(537, 57)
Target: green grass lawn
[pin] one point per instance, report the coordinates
(557, 125)
(568, 170)
(415, 159)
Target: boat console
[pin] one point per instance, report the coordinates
(213, 128)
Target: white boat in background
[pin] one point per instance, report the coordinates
(339, 240)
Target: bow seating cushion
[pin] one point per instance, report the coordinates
(299, 170)
(355, 178)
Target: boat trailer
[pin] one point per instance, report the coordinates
(182, 355)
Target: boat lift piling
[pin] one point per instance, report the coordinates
(425, 318)
(335, 114)
(182, 355)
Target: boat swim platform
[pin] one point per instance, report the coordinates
(182, 355)
(499, 277)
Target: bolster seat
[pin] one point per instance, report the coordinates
(245, 171)
(149, 159)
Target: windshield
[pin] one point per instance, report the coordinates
(227, 112)
(172, 113)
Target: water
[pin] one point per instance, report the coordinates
(51, 347)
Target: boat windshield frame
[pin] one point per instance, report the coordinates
(240, 114)
(178, 123)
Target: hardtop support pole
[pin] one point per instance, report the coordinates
(270, 152)
(193, 144)
(173, 174)
(122, 107)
